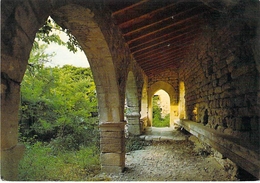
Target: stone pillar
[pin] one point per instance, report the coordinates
(133, 121)
(112, 145)
(11, 151)
(9, 162)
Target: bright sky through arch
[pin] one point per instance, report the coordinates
(64, 56)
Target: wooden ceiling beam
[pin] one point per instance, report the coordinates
(163, 53)
(124, 10)
(166, 65)
(177, 40)
(166, 46)
(144, 17)
(166, 52)
(173, 31)
(139, 9)
(166, 17)
(161, 57)
(162, 42)
(162, 31)
(159, 60)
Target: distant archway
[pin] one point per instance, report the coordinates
(173, 104)
(161, 109)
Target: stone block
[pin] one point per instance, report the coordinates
(108, 134)
(112, 148)
(113, 159)
(112, 169)
(112, 127)
(134, 129)
(112, 140)
(218, 89)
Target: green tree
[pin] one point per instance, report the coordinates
(48, 33)
(158, 120)
(57, 103)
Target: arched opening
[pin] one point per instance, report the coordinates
(132, 106)
(160, 85)
(161, 109)
(91, 38)
(93, 43)
(56, 121)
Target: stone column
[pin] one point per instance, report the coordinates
(11, 151)
(133, 121)
(112, 145)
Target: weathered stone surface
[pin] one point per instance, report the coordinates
(112, 169)
(9, 162)
(113, 159)
(134, 129)
(220, 72)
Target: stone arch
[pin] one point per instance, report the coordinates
(168, 89)
(133, 108)
(19, 27)
(88, 32)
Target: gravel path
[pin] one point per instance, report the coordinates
(174, 159)
(171, 161)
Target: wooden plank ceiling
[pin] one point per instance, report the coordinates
(158, 32)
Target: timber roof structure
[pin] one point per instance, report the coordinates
(159, 33)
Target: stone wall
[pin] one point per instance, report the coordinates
(221, 79)
(171, 77)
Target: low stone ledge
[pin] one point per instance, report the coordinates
(240, 152)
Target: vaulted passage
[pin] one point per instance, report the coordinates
(205, 55)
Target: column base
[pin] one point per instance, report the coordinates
(9, 162)
(112, 146)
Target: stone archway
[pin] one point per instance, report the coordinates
(173, 104)
(133, 109)
(19, 28)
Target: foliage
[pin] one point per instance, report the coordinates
(57, 103)
(135, 143)
(56, 116)
(49, 33)
(41, 164)
(158, 120)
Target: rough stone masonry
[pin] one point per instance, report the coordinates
(220, 76)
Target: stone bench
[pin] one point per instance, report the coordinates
(237, 150)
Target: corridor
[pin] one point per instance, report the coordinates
(172, 155)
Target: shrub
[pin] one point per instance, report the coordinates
(41, 164)
(135, 143)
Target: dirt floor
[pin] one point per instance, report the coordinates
(171, 160)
